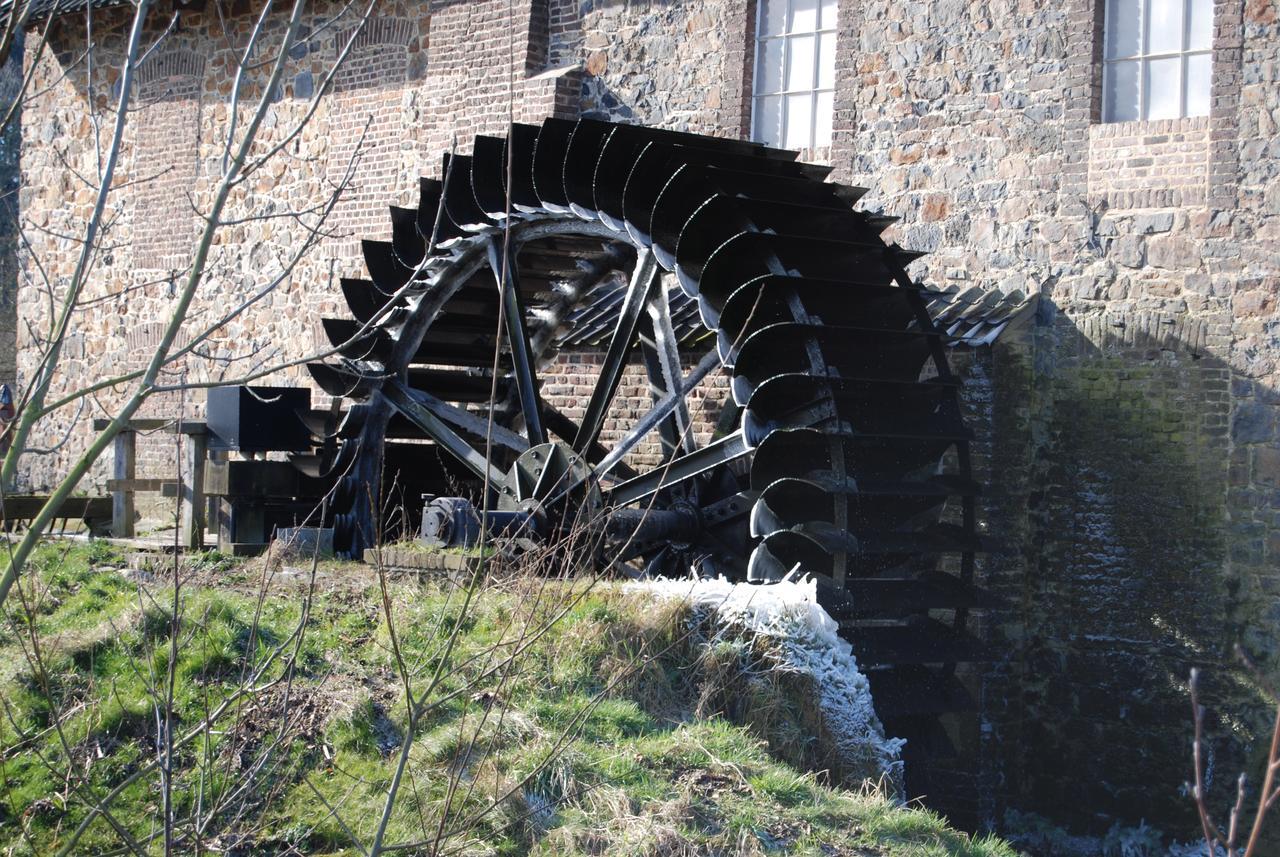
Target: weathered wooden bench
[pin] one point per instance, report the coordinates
(17, 512)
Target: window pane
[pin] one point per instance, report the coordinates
(827, 61)
(769, 66)
(1164, 88)
(799, 121)
(804, 16)
(768, 120)
(828, 21)
(1199, 76)
(1164, 26)
(1121, 95)
(1200, 33)
(822, 120)
(1124, 28)
(800, 62)
(773, 17)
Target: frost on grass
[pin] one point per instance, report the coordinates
(801, 638)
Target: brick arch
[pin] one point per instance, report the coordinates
(378, 32)
(178, 66)
(379, 54)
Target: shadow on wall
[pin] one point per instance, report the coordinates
(1124, 564)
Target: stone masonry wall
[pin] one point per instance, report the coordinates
(1153, 248)
(1134, 449)
(677, 65)
(10, 142)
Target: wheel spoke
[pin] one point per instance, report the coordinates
(660, 411)
(474, 424)
(678, 470)
(643, 282)
(668, 432)
(403, 400)
(662, 361)
(504, 273)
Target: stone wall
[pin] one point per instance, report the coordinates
(1132, 440)
(1147, 458)
(10, 143)
(677, 65)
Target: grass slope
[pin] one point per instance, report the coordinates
(605, 735)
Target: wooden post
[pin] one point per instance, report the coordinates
(126, 448)
(193, 506)
(226, 526)
(211, 500)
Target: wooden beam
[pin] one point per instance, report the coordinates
(257, 479)
(170, 426)
(168, 487)
(124, 468)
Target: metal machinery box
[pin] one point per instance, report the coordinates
(258, 419)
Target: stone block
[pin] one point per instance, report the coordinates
(1173, 252)
(1128, 251)
(934, 208)
(1253, 422)
(1266, 466)
(1147, 224)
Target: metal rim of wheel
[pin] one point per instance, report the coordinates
(842, 407)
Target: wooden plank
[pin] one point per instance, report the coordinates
(192, 427)
(124, 468)
(225, 518)
(168, 487)
(243, 548)
(212, 501)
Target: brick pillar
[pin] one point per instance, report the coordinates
(1224, 152)
(165, 223)
(1082, 87)
(366, 127)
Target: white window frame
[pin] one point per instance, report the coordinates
(1143, 59)
(823, 27)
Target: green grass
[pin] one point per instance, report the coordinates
(641, 774)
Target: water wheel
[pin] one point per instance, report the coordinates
(839, 450)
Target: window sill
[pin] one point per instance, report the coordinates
(1146, 127)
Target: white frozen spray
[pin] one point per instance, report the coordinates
(803, 639)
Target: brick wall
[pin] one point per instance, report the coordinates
(570, 379)
(365, 120)
(1162, 164)
(408, 111)
(165, 223)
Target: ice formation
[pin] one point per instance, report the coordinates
(805, 640)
